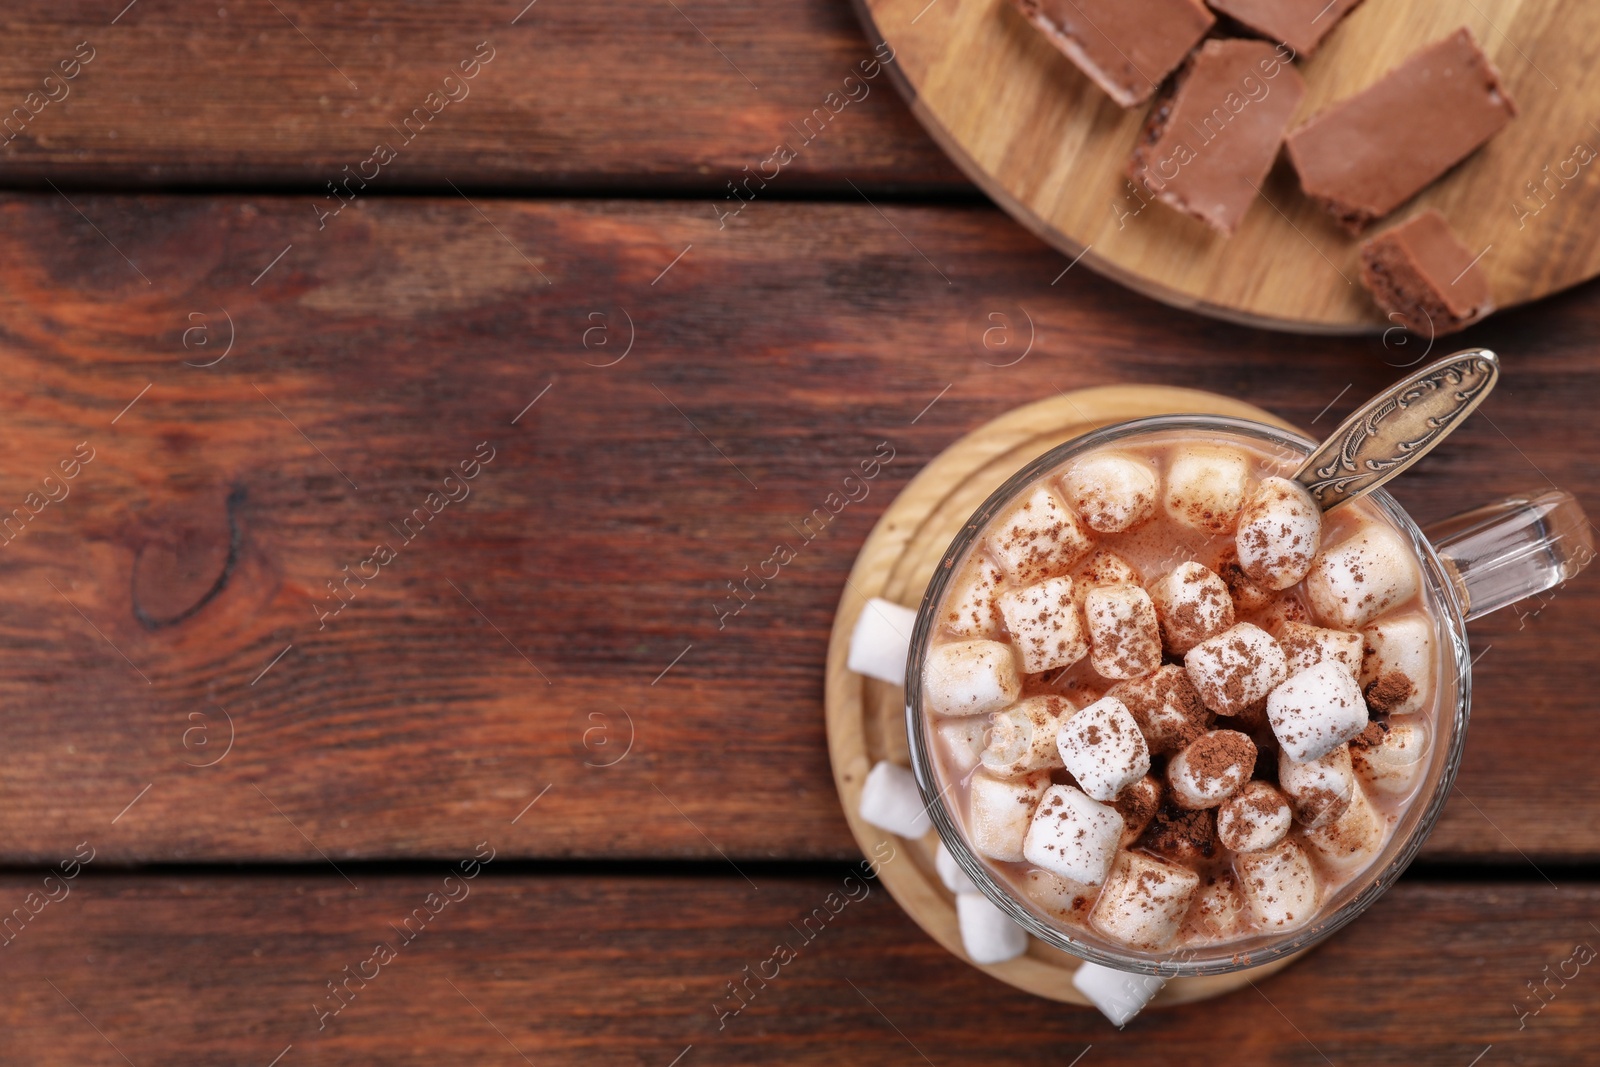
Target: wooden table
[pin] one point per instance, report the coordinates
(282, 744)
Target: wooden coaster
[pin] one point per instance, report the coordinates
(866, 717)
(1051, 148)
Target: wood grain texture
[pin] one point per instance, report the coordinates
(598, 545)
(592, 969)
(1046, 143)
(576, 96)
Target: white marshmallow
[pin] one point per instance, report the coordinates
(1022, 738)
(1193, 604)
(1362, 577)
(1395, 764)
(1402, 645)
(970, 678)
(1279, 886)
(1137, 804)
(964, 740)
(1102, 568)
(1000, 811)
(1166, 707)
(1044, 624)
(1248, 597)
(879, 643)
(1235, 668)
(1112, 491)
(1073, 836)
(1124, 636)
(987, 934)
(950, 873)
(1316, 711)
(1211, 769)
(1040, 537)
(1206, 486)
(891, 801)
(1319, 790)
(1280, 531)
(1144, 900)
(972, 603)
(1218, 910)
(1353, 838)
(1280, 609)
(1119, 995)
(1306, 646)
(1254, 819)
(1103, 748)
(1058, 896)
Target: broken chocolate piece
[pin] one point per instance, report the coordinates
(1127, 47)
(1366, 155)
(1424, 278)
(1213, 136)
(1300, 24)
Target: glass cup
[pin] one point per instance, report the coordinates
(1473, 564)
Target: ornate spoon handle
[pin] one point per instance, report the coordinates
(1398, 427)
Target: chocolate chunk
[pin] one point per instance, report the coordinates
(1425, 278)
(1127, 47)
(1213, 136)
(1366, 155)
(1301, 24)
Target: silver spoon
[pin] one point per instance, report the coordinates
(1397, 427)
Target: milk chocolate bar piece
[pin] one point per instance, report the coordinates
(1213, 136)
(1127, 46)
(1366, 155)
(1426, 279)
(1301, 24)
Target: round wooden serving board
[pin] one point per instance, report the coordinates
(866, 717)
(1052, 149)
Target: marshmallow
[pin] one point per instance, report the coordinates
(879, 643)
(970, 678)
(1022, 738)
(1124, 637)
(971, 605)
(1102, 568)
(987, 934)
(1119, 995)
(1044, 624)
(1319, 790)
(891, 801)
(1103, 748)
(1184, 835)
(1211, 769)
(1394, 764)
(1218, 910)
(1235, 668)
(1038, 538)
(1316, 711)
(1253, 819)
(1144, 900)
(1166, 707)
(1000, 810)
(1353, 838)
(1058, 896)
(1248, 597)
(1402, 646)
(1279, 886)
(1193, 604)
(1137, 804)
(1306, 646)
(1280, 530)
(950, 873)
(1112, 491)
(1281, 609)
(1362, 577)
(1073, 836)
(964, 741)
(1206, 486)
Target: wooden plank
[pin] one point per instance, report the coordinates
(177, 586)
(604, 969)
(572, 96)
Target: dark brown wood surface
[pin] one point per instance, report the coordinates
(596, 548)
(530, 968)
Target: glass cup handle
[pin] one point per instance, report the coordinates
(1501, 553)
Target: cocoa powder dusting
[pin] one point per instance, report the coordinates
(1388, 691)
